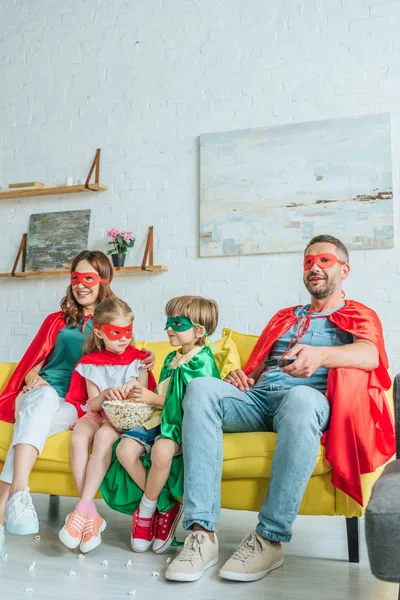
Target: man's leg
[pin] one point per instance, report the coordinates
(301, 417)
(299, 422)
(210, 406)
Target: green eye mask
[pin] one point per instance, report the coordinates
(181, 324)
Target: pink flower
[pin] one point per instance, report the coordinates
(128, 236)
(113, 233)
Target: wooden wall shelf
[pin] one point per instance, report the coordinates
(144, 267)
(64, 189)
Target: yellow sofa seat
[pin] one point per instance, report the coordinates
(247, 456)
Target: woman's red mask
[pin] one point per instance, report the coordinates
(115, 332)
(324, 261)
(87, 279)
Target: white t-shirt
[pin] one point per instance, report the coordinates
(106, 376)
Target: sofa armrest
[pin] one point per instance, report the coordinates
(396, 400)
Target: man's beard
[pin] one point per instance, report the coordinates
(322, 292)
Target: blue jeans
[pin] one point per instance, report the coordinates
(298, 415)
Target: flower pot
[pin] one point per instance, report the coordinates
(118, 260)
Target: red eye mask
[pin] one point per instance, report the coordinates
(324, 261)
(115, 332)
(87, 279)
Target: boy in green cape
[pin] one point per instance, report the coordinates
(146, 473)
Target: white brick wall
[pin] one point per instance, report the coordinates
(142, 80)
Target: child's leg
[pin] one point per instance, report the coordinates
(128, 453)
(81, 440)
(162, 454)
(99, 461)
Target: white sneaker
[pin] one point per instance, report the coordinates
(20, 514)
(254, 558)
(1, 538)
(198, 554)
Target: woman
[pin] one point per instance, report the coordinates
(34, 396)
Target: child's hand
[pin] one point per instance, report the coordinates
(141, 394)
(127, 387)
(113, 394)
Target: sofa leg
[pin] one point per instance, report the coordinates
(353, 539)
(54, 507)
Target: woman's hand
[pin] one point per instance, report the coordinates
(113, 394)
(150, 360)
(35, 381)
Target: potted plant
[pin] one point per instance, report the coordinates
(121, 241)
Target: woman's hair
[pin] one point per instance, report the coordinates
(104, 314)
(200, 311)
(72, 310)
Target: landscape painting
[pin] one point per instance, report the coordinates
(54, 239)
(270, 190)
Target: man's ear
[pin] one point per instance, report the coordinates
(345, 271)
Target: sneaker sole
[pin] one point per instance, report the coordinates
(170, 538)
(140, 551)
(88, 546)
(189, 576)
(248, 576)
(22, 529)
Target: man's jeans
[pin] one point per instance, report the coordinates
(211, 406)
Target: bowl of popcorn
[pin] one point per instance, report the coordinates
(124, 414)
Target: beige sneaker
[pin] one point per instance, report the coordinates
(197, 555)
(254, 558)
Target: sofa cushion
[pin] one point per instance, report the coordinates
(244, 343)
(246, 455)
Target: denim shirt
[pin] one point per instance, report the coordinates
(321, 332)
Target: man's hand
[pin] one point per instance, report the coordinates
(307, 362)
(113, 394)
(149, 362)
(35, 382)
(240, 380)
(139, 393)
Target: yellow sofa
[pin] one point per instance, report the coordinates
(247, 456)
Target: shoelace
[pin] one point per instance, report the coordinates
(77, 522)
(89, 526)
(192, 546)
(250, 546)
(28, 504)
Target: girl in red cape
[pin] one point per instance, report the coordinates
(34, 395)
(109, 370)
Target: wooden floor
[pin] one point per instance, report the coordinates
(315, 567)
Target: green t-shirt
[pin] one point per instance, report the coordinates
(64, 356)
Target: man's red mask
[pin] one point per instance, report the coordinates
(87, 279)
(324, 261)
(115, 332)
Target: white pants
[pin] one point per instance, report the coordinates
(39, 414)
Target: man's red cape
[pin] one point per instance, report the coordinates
(361, 434)
(77, 392)
(39, 350)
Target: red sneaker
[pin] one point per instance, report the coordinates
(143, 531)
(166, 527)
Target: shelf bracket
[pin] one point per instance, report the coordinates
(148, 251)
(20, 254)
(95, 165)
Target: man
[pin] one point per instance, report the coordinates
(331, 347)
